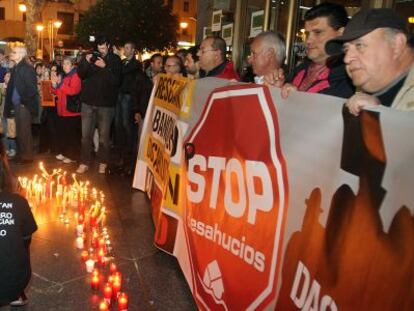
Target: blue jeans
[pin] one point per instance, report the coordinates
(9, 143)
(92, 117)
(125, 128)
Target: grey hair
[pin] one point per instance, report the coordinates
(390, 34)
(69, 58)
(22, 50)
(275, 41)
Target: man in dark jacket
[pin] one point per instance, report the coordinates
(100, 73)
(124, 116)
(22, 99)
(319, 73)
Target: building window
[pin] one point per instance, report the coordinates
(186, 7)
(2, 14)
(67, 20)
(24, 16)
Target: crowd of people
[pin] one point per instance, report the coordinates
(100, 101)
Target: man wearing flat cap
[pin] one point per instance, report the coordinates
(379, 58)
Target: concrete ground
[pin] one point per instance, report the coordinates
(152, 279)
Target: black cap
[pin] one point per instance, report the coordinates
(363, 23)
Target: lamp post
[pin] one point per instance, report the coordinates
(52, 24)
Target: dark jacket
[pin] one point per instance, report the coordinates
(141, 93)
(130, 69)
(224, 71)
(100, 86)
(337, 83)
(23, 78)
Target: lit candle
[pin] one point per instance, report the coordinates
(103, 306)
(101, 243)
(95, 282)
(101, 257)
(84, 255)
(110, 279)
(51, 189)
(123, 302)
(95, 239)
(79, 242)
(95, 272)
(112, 267)
(108, 293)
(90, 263)
(116, 287)
(79, 229)
(118, 276)
(81, 218)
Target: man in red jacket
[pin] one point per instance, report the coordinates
(213, 61)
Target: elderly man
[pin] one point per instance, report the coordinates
(267, 54)
(173, 65)
(379, 58)
(319, 73)
(212, 59)
(22, 98)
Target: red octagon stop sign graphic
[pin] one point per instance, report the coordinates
(236, 200)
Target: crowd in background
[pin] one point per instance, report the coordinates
(99, 100)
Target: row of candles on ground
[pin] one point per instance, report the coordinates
(55, 186)
(99, 255)
(40, 189)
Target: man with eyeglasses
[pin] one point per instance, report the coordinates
(213, 61)
(267, 54)
(173, 65)
(379, 57)
(320, 73)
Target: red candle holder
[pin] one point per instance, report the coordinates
(116, 288)
(95, 239)
(108, 293)
(112, 268)
(101, 257)
(84, 255)
(110, 279)
(123, 302)
(101, 243)
(95, 282)
(81, 218)
(118, 276)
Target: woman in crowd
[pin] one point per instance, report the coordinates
(66, 87)
(16, 228)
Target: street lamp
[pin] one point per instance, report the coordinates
(183, 25)
(22, 7)
(52, 24)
